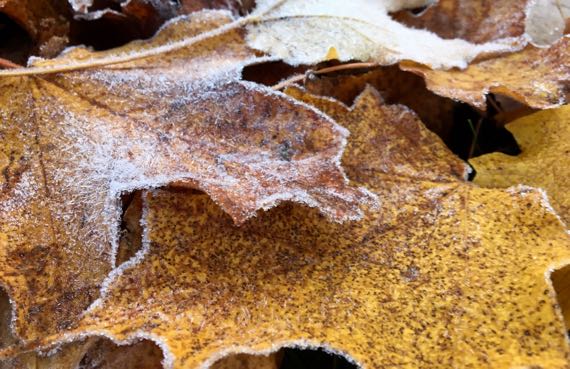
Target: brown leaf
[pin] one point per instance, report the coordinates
(538, 77)
(476, 21)
(395, 86)
(441, 276)
(74, 142)
(45, 21)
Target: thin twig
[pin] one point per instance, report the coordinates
(7, 64)
(300, 77)
(475, 138)
(494, 104)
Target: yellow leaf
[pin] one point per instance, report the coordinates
(74, 142)
(544, 139)
(444, 275)
(534, 76)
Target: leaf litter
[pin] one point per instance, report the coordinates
(436, 258)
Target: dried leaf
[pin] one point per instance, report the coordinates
(395, 86)
(303, 32)
(444, 275)
(538, 77)
(74, 142)
(544, 162)
(475, 21)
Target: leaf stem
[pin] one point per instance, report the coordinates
(154, 51)
(475, 136)
(300, 77)
(5, 63)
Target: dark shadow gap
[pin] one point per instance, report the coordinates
(130, 241)
(15, 43)
(270, 73)
(295, 358)
(475, 133)
(561, 282)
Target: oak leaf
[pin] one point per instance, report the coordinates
(544, 161)
(305, 32)
(445, 274)
(537, 77)
(74, 142)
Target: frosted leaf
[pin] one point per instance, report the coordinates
(546, 20)
(443, 275)
(303, 32)
(74, 142)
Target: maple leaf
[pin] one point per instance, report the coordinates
(543, 138)
(305, 32)
(395, 86)
(74, 142)
(537, 77)
(441, 275)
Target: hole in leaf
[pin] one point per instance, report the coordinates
(131, 230)
(294, 358)
(103, 353)
(561, 282)
(7, 337)
(15, 43)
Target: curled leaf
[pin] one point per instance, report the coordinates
(544, 161)
(303, 32)
(441, 276)
(537, 77)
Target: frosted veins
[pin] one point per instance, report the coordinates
(302, 31)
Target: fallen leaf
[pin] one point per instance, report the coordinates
(444, 274)
(303, 32)
(544, 162)
(395, 86)
(475, 21)
(74, 142)
(537, 77)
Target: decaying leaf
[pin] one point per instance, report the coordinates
(395, 86)
(444, 274)
(475, 21)
(305, 32)
(537, 77)
(43, 20)
(544, 162)
(74, 142)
